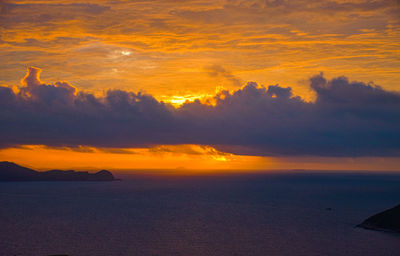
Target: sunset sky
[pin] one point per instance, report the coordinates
(256, 85)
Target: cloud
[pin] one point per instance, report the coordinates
(217, 70)
(35, 90)
(346, 119)
(264, 39)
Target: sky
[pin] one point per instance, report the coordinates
(204, 85)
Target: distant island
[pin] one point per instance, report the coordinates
(388, 220)
(13, 172)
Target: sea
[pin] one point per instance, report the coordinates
(267, 213)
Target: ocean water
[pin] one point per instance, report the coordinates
(260, 214)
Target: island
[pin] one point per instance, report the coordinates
(388, 220)
(13, 172)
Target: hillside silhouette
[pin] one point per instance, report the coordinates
(388, 220)
(13, 172)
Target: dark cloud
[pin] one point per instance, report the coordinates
(35, 90)
(346, 119)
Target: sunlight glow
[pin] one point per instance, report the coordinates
(184, 157)
(126, 53)
(178, 159)
(178, 100)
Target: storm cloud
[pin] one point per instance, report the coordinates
(346, 119)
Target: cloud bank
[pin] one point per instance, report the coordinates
(346, 119)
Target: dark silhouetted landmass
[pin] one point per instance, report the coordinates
(388, 220)
(12, 172)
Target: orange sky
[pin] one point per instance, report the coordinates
(168, 49)
(183, 159)
(185, 51)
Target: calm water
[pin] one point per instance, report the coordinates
(268, 214)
